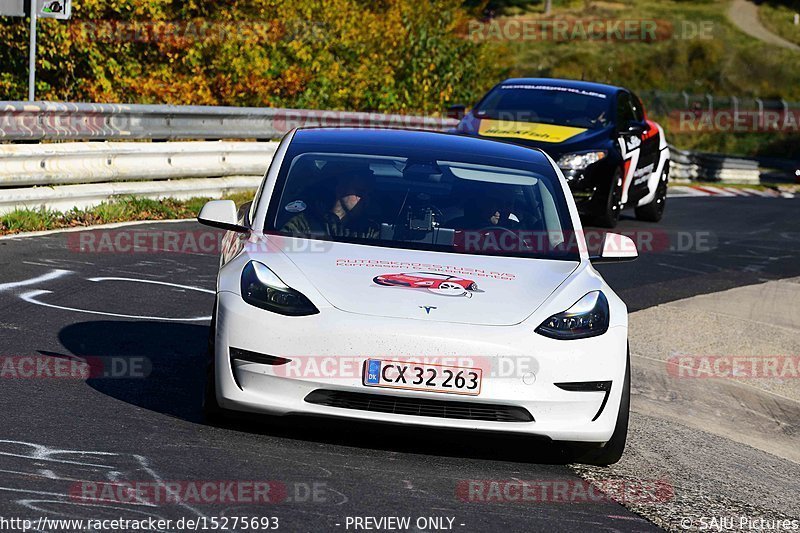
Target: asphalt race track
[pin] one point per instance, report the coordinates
(58, 433)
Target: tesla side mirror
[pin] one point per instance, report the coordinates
(221, 214)
(616, 248)
(456, 111)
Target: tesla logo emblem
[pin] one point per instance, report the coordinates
(427, 308)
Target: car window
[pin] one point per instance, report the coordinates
(638, 109)
(441, 204)
(545, 105)
(625, 112)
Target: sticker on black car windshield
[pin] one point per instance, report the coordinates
(297, 206)
(554, 88)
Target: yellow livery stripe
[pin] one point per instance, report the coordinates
(532, 131)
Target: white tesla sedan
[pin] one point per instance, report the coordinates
(419, 278)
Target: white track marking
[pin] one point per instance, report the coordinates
(684, 269)
(37, 492)
(54, 274)
(678, 191)
(146, 466)
(715, 191)
(187, 287)
(37, 453)
(734, 190)
(31, 297)
(756, 192)
(44, 453)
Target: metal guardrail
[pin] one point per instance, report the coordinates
(87, 173)
(66, 197)
(36, 121)
(713, 167)
(94, 162)
(82, 174)
(663, 102)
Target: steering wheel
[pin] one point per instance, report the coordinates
(506, 230)
(501, 228)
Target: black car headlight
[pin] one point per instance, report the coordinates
(588, 317)
(262, 288)
(580, 160)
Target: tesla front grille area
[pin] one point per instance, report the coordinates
(382, 403)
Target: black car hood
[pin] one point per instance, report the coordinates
(575, 141)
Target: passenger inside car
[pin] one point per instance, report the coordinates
(345, 215)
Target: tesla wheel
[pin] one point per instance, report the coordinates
(610, 204)
(611, 451)
(653, 211)
(211, 408)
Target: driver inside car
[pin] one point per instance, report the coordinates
(482, 212)
(345, 216)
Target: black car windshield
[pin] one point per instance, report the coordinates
(546, 104)
(439, 204)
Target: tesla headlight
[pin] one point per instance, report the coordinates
(580, 160)
(262, 288)
(588, 317)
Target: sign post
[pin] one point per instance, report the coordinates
(56, 9)
(32, 55)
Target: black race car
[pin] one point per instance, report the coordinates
(612, 156)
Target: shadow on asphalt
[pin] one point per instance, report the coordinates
(176, 353)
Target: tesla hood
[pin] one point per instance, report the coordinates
(446, 287)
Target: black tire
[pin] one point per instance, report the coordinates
(211, 408)
(611, 451)
(609, 204)
(653, 211)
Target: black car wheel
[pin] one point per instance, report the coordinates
(653, 211)
(610, 203)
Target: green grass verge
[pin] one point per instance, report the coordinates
(122, 210)
(779, 18)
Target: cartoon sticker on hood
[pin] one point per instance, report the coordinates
(436, 283)
(530, 131)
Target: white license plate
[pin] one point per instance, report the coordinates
(422, 376)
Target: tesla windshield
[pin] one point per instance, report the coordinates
(546, 105)
(421, 203)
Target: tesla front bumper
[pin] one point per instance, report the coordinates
(522, 370)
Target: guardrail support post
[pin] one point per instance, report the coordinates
(760, 104)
